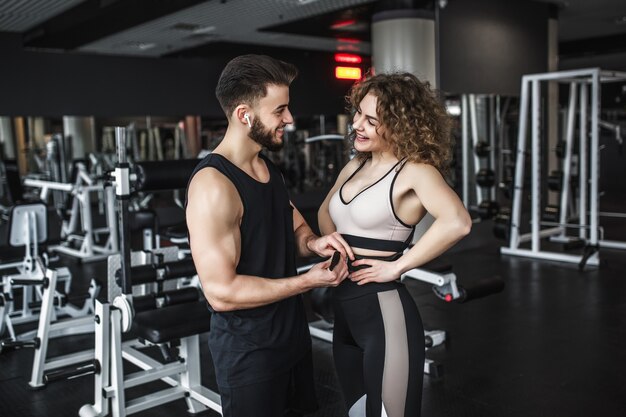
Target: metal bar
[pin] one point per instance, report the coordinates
(492, 142)
(550, 256)
(535, 167)
(542, 234)
(155, 399)
(49, 185)
(70, 359)
(426, 276)
(118, 400)
(582, 162)
(154, 374)
(595, 158)
(207, 397)
(612, 244)
(564, 76)
(519, 166)
(474, 126)
(45, 315)
(465, 148)
(567, 160)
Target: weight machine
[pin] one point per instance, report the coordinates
(165, 322)
(54, 310)
(81, 191)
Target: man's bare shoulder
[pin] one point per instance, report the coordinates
(209, 189)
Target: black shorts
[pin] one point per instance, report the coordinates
(291, 393)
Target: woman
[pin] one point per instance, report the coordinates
(401, 133)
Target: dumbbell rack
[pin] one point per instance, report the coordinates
(479, 135)
(588, 226)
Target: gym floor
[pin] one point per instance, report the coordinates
(553, 343)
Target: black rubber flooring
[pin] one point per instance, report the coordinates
(552, 344)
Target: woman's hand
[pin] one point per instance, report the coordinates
(379, 271)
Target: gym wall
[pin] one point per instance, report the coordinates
(38, 83)
(486, 46)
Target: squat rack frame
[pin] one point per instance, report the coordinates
(588, 179)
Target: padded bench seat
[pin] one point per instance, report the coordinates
(177, 231)
(174, 322)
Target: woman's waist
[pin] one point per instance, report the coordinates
(360, 254)
(368, 246)
(350, 289)
(365, 253)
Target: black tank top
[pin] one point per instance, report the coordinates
(255, 344)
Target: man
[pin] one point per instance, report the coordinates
(244, 234)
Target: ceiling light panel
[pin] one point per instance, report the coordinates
(232, 21)
(20, 15)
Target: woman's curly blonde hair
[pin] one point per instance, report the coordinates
(412, 117)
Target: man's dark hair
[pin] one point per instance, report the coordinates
(246, 77)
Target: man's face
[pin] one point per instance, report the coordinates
(264, 136)
(271, 115)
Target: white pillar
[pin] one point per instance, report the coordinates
(404, 40)
(82, 131)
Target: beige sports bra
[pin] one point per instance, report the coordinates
(369, 221)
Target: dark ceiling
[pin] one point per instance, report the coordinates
(587, 29)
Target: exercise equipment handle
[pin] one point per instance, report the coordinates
(480, 289)
(180, 269)
(10, 345)
(90, 368)
(25, 281)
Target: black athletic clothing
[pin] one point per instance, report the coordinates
(378, 337)
(258, 344)
(289, 394)
(349, 289)
(378, 350)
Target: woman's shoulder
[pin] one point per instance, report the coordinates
(417, 167)
(413, 172)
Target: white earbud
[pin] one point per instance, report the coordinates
(247, 117)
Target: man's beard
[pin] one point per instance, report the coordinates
(264, 137)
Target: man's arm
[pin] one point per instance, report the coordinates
(308, 243)
(213, 214)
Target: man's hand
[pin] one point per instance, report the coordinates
(328, 244)
(320, 275)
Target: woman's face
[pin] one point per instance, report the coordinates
(367, 127)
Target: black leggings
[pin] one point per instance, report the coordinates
(378, 349)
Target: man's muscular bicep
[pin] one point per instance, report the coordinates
(213, 214)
